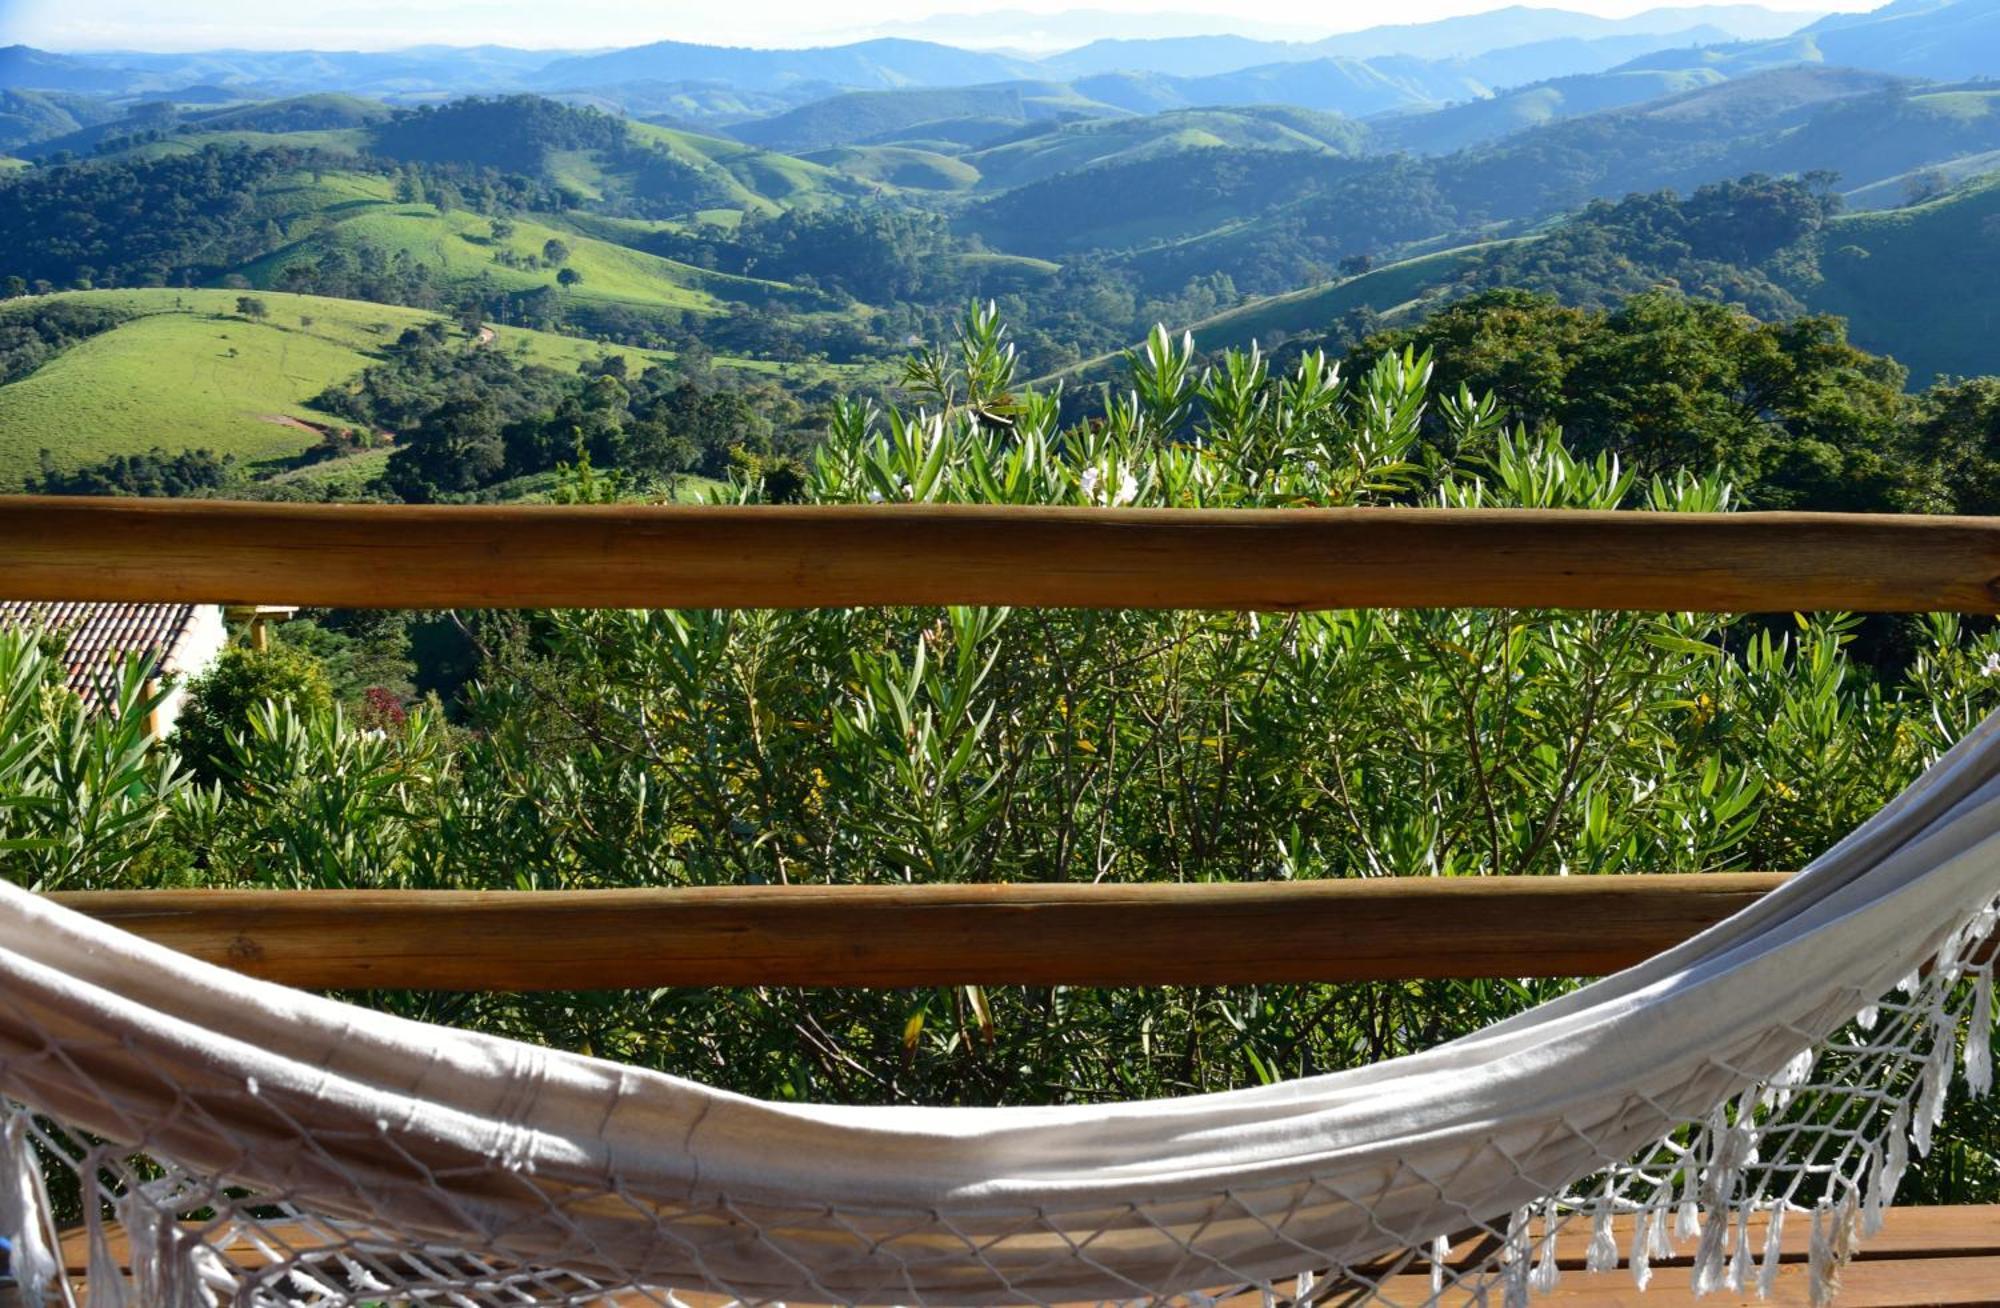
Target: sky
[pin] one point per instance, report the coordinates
(597, 24)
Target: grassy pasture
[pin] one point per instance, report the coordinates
(167, 377)
(459, 249)
(186, 378)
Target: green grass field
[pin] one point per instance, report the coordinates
(540, 487)
(187, 374)
(342, 477)
(459, 249)
(168, 378)
(175, 380)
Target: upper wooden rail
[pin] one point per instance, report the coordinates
(886, 936)
(378, 556)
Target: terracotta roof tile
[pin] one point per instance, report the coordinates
(103, 636)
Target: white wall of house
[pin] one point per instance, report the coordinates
(192, 655)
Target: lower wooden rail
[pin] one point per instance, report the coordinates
(890, 936)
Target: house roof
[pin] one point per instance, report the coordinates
(103, 636)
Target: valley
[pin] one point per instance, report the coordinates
(793, 220)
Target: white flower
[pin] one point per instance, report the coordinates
(1991, 667)
(1088, 482)
(1128, 487)
(874, 497)
(1312, 467)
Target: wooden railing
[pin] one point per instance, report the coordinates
(378, 556)
(406, 557)
(1378, 929)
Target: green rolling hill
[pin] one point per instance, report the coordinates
(900, 166)
(1920, 283)
(330, 121)
(1393, 291)
(862, 116)
(753, 178)
(1473, 122)
(460, 250)
(1868, 138)
(185, 371)
(598, 156)
(1072, 147)
(27, 117)
(329, 210)
(1911, 283)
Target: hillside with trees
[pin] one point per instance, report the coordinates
(1088, 205)
(1771, 246)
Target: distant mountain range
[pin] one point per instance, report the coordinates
(1107, 201)
(1559, 42)
(1944, 39)
(1433, 87)
(416, 71)
(1465, 37)
(1018, 31)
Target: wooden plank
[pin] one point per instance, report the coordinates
(1918, 1231)
(1889, 1283)
(831, 556)
(890, 936)
(1922, 1255)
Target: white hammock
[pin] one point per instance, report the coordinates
(368, 1159)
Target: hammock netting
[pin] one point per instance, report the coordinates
(225, 1141)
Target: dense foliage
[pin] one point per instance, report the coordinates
(463, 419)
(222, 698)
(1789, 410)
(1747, 242)
(631, 748)
(367, 272)
(1957, 432)
(31, 337)
(74, 226)
(157, 473)
(514, 134)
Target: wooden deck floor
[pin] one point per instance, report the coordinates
(1921, 1256)
(1948, 1257)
